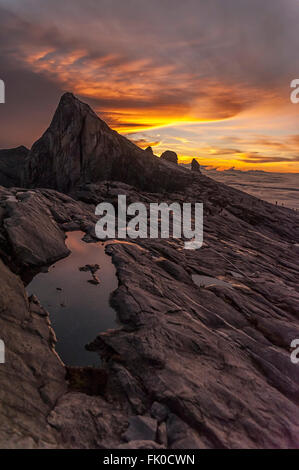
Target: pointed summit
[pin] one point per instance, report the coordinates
(195, 166)
(79, 147)
(69, 106)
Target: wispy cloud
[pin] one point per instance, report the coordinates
(146, 66)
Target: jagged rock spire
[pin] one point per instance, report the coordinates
(80, 147)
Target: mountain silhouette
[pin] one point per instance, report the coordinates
(79, 147)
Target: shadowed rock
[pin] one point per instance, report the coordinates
(149, 150)
(169, 156)
(141, 428)
(210, 364)
(79, 147)
(12, 163)
(35, 237)
(195, 166)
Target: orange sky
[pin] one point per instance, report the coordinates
(210, 82)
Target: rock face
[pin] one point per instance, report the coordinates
(195, 166)
(12, 163)
(217, 357)
(169, 156)
(30, 225)
(78, 147)
(141, 428)
(38, 408)
(189, 366)
(150, 150)
(32, 378)
(33, 224)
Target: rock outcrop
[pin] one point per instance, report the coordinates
(189, 367)
(79, 147)
(169, 156)
(12, 162)
(150, 150)
(29, 224)
(195, 166)
(37, 407)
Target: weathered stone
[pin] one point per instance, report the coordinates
(32, 378)
(141, 428)
(159, 411)
(84, 421)
(140, 445)
(169, 156)
(162, 435)
(34, 235)
(195, 166)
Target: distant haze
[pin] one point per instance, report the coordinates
(272, 187)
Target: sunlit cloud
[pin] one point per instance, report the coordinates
(144, 143)
(209, 81)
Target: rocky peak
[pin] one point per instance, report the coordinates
(195, 166)
(150, 150)
(169, 156)
(79, 147)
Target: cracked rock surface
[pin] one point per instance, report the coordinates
(200, 367)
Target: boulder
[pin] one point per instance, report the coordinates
(12, 162)
(34, 235)
(195, 166)
(169, 156)
(141, 428)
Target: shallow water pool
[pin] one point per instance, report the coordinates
(78, 309)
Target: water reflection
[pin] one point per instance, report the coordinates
(78, 310)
